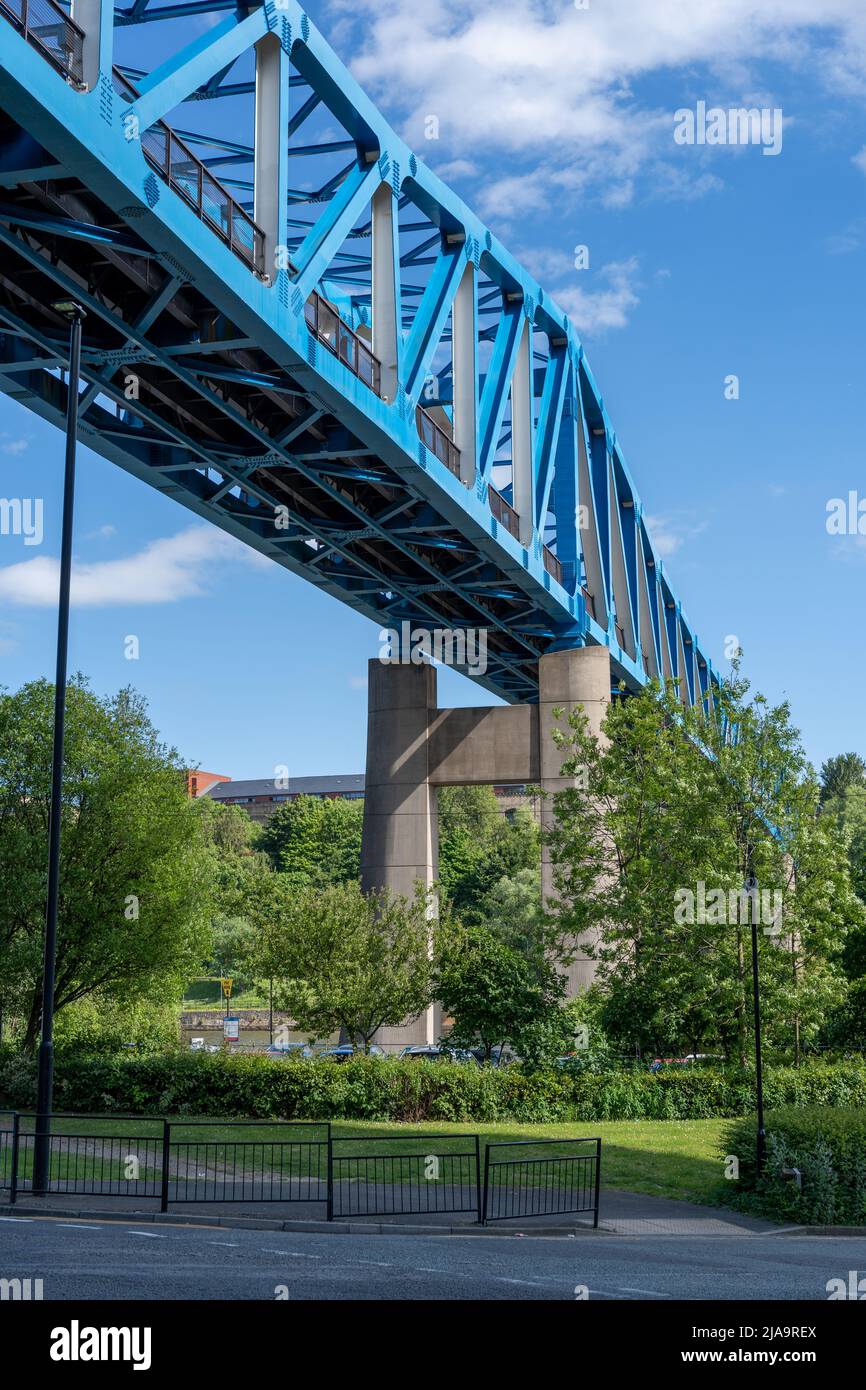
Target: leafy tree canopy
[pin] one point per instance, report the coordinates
(315, 840)
(840, 773)
(344, 960)
(135, 879)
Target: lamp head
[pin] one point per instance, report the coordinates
(69, 308)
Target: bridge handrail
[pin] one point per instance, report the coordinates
(40, 20)
(199, 188)
(434, 438)
(325, 324)
(552, 564)
(504, 512)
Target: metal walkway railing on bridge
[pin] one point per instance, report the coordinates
(332, 356)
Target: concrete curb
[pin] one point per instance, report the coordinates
(825, 1231)
(327, 1228)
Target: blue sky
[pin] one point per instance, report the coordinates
(704, 262)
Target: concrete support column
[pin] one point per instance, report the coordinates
(464, 349)
(386, 289)
(96, 18)
(271, 159)
(580, 676)
(522, 444)
(399, 845)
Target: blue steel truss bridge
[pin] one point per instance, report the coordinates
(298, 331)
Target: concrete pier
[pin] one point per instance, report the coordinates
(413, 748)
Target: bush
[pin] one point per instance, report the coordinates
(96, 1025)
(828, 1146)
(374, 1088)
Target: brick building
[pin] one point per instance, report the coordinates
(261, 797)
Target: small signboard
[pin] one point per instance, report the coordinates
(227, 988)
(231, 1028)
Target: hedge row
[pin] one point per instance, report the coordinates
(828, 1146)
(369, 1088)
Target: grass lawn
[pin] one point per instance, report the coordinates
(663, 1158)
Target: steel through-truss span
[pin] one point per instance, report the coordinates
(298, 331)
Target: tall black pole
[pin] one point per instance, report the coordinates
(45, 1087)
(761, 1148)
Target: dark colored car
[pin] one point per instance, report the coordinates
(343, 1051)
(500, 1056)
(438, 1054)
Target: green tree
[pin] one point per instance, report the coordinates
(342, 959)
(238, 869)
(315, 840)
(135, 872)
(848, 810)
(228, 829)
(478, 847)
(840, 773)
(668, 807)
(494, 993)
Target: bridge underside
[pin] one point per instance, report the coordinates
(344, 369)
(213, 418)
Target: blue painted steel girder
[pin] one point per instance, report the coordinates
(341, 436)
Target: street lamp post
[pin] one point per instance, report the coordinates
(45, 1086)
(751, 887)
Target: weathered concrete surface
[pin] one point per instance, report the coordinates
(413, 747)
(568, 679)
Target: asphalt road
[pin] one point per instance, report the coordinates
(119, 1260)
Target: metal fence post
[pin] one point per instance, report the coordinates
(13, 1180)
(166, 1154)
(478, 1176)
(330, 1174)
(597, 1181)
(486, 1178)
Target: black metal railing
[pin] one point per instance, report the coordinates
(434, 438)
(267, 1169)
(170, 1162)
(84, 1159)
(199, 1161)
(174, 161)
(425, 1177)
(504, 512)
(52, 31)
(8, 1146)
(589, 599)
(552, 564)
(326, 325)
(553, 1183)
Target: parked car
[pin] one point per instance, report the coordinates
(343, 1051)
(691, 1059)
(438, 1054)
(289, 1049)
(500, 1056)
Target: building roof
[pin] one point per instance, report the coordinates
(297, 786)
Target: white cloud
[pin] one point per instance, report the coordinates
(668, 533)
(165, 571)
(570, 86)
(14, 446)
(595, 310)
(860, 159)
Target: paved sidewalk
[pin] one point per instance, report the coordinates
(635, 1214)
